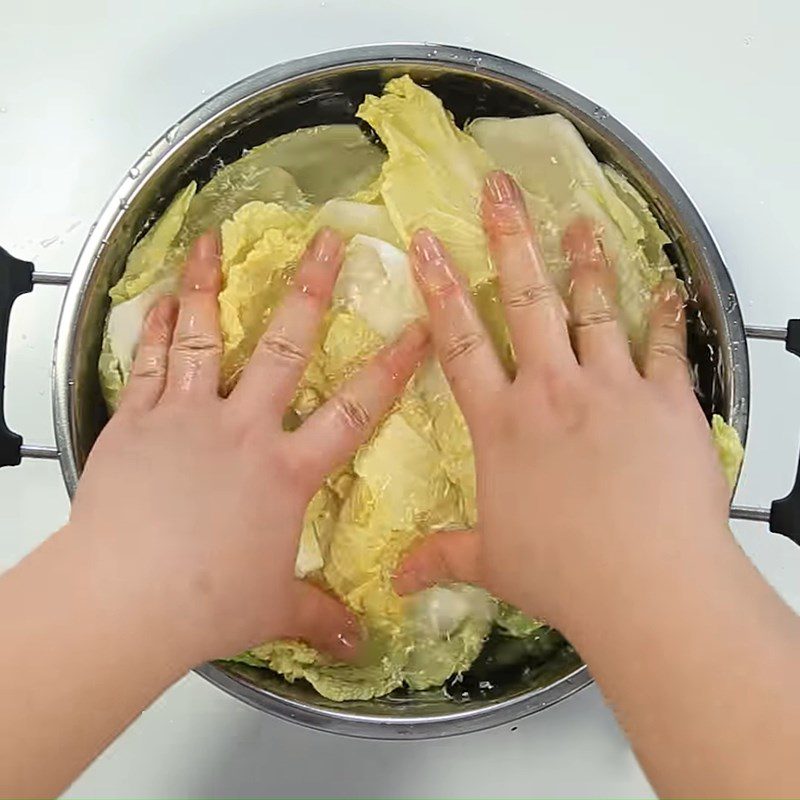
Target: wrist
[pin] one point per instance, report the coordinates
(132, 603)
(627, 586)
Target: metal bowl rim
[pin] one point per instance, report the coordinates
(363, 726)
(460, 60)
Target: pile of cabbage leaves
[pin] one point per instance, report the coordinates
(417, 473)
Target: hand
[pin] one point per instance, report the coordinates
(194, 502)
(585, 467)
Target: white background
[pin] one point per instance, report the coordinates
(84, 89)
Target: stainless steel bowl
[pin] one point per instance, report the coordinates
(328, 88)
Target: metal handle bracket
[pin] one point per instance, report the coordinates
(44, 451)
(51, 278)
(751, 513)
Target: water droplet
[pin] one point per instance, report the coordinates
(48, 241)
(730, 302)
(124, 204)
(134, 172)
(748, 40)
(599, 113)
(172, 133)
(3, 109)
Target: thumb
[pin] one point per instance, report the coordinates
(325, 623)
(442, 557)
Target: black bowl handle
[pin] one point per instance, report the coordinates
(784, 515)
(16, 278)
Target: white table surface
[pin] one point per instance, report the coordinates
(85, 86)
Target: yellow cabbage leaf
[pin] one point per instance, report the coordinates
(350, 218)
(147, 262)
(417, 472)
(562, 180)
(325, 161)
(260, 245)
(147, 277)
(434, 174)
(228, 190)
(729, 448)
(376, 283)
(652, 236)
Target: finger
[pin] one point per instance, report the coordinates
(197, 344)
(283, 351)
(534, 309)
(325, 623)
(462, 344)
(442, 557)
(666, 362)
(336, 429)
(598, 337)
(149, 371)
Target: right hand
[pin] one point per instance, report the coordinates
(586, 468)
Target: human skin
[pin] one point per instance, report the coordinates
(182, 538)
(602, 508)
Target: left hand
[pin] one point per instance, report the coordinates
(192, 504)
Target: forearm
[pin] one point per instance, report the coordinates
(81, 658)
(697, 656)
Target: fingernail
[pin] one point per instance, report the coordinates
(427, 247)
(160, 319)
(351, 637)
(166, 309)
(680, 288)
(671, 289)
(405, 580)
(501, 188)
(162, 310)
(201, 271)
(418, 335)
(326, 245)
(582, 244)
(155, 315)
(669, 302)
(207, 246)
(434, 268)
